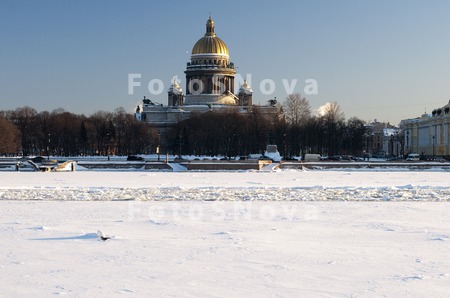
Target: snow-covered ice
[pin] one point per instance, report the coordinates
(222, 234)
(228, 186)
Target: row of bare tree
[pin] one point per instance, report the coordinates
(228, 133)
(25, 131)
(296, 131)
(326, 132)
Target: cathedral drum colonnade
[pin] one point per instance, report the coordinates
(210, 74)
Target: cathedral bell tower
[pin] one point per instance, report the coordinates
(175, 95)
(245, 94)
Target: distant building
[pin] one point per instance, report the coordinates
(383, 140)
(209, 87)
(429, 134)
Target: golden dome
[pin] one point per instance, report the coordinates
(210, 43)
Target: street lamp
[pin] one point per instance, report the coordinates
(179, 149)
(407, 142)
(48, 148)
(366, 146)
(433, 146)
(107, 145)
(158, 149)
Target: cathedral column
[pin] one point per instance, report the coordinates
(232, 85)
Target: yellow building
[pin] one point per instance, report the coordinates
(429, 134)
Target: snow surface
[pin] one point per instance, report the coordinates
(225, 234)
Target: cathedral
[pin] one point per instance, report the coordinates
(209, 87)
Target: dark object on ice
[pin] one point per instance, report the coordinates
(102, 236)
(38, 159)
(134, 158)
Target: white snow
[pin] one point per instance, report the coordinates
(225, 234)
(177, 167)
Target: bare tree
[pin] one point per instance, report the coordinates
(333, 123)
(296, 109)
(25, 119)
(9, 137)
(331, 112)
(353, 138)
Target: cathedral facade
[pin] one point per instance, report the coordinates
(209, 87)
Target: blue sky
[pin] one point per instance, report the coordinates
(385, 60)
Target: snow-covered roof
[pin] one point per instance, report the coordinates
(387, 132)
